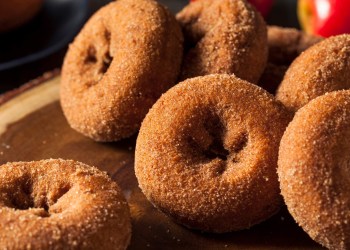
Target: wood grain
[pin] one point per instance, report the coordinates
(32, 127)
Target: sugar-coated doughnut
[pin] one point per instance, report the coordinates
(223, 36)
(61, 204)
(206, 153)
(285, 44)
(126, 55)
(322, 68)
(313, 169)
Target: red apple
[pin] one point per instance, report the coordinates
(324, 17)
(264, 6)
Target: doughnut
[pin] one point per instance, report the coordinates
(206, 153)
(61, 204)
(15, 13)
(285, 44)
(123, 59)
(313, 169)
(322, 68)
(223, 36)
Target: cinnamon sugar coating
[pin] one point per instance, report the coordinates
(223, 36)
(206, 153)
(126, 55)
(313, 169)
(323, 68)
(61, 204)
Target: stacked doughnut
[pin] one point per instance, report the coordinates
(223, 37)
(313, 164)
(125, 57)
(322, 68)
(314, 169)
(130, 52)
(285, 44)
(208, 150)
(198, 155)
(106, 93)
(113, 74)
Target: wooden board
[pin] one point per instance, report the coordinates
(32, 127)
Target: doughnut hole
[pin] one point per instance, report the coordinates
(217, 145)
(91, 55)
(22, 198)
(209, 142)
(209, 145)
(26, 193)
(107, 57)
(98, 58)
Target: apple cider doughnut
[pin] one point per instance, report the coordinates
(206, 153)
(61, 204)
(313, 169)
(124, 58)
(223, 36)
(322, 68)
(285, 44)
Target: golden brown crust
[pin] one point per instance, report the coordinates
(206, 153)
(126, 55)
(223, 36)
(285, 44)
(322, 68)
(313, 169)
(61, 204)
(14, 13)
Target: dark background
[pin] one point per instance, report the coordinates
(29, 39)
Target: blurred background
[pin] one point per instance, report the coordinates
(38, 45)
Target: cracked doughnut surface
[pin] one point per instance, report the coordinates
(313, 169)
(126, 55)
(223, 36)
(322, 68)
(206, 153)
(61, 204)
